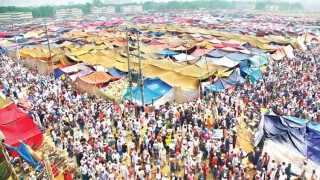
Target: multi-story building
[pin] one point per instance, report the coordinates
(131, 9)
(103, 10)
(271, 8)
(244, 6)
(74, 12)
(15, 16)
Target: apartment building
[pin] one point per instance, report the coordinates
(74, 12)
(131, 9)
(15, 16)
(103, 10)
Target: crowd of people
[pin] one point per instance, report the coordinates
(125, 140)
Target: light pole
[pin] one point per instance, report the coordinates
(45, 26)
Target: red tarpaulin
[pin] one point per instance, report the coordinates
(10, 114)
(23, 129)
(200, 52)
(18, 126)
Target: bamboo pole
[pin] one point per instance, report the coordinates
(13, 172)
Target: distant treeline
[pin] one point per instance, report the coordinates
(48, 11)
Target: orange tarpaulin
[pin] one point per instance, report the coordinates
(97, 77)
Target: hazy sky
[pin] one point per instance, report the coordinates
(60, 2)
(38, 2)
(65, 2)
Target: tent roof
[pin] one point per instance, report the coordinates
(97, 77)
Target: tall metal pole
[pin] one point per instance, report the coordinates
(140, 69)
(129, 70)
(15, 39)
(49, 49)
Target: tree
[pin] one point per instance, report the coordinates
(97, 3)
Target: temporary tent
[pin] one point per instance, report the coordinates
(153, 89)
(237, 56)
(116, 89)
(167, 53)
(16, 126)
(259, 60)
(91, 82)
(200, 52)
(9, 113)
(224, 61)
(291, 140)
(117, 73)
(73, 77)
(217, 53)
(157, 85)
(235, 78)
(184, 57)
(219, 85)
(254, 73)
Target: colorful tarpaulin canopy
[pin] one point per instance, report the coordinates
(116, 89)
(167, 53)
(97, 78)
(291, 138)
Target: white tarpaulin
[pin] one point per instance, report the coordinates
(280, 154)
(226, 62)
(184, 57)
(75, 68)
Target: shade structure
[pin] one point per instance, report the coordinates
(219, 85)
(254, 73)
(117, 73)
(292, 140)
(154, 88)
(167, 53)
(259, 60)
(18, 126)
(116, 89)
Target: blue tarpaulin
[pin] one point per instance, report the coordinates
(117, 73)
(254, 74)
(259, 60)
(58, 73)
(157, 85)
(296, 134)
(154, 88)
(219, 85)
(237, 56)
(25, 155)
(217, 53)
(167, 53)
(156, 34)
(235, 78)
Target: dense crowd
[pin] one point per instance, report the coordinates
(125, 140)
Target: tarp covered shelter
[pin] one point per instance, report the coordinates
(219, 85)
(154, 88)
(116, 89)
(259, 60)
(117, 73)
(167, 53)
(16, 126)
(292, 140)
(254, 73)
